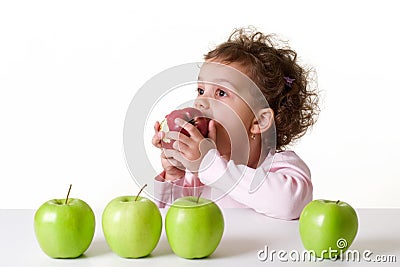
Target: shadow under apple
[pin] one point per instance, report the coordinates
(97, 248)
(235, 246)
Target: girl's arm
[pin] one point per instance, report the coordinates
(285, 190)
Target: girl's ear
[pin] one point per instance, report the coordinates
(263, 121)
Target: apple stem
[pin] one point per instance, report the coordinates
(337, 202)
(197, 201)
(69, 191)
(141, 189)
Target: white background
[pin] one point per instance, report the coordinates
(69, 69)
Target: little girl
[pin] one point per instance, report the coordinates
(224, 165)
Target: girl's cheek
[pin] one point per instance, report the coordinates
(223, 113)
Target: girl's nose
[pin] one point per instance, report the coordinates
(201, 103)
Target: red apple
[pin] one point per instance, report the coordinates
(191, 115)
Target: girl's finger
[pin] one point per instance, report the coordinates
(181, 147)
(157, 127)
(162, 155)
(190, 128)
(178, 137)
(156, 141)
(170, 153)
(212, 131)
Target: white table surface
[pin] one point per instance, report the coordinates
(246, 232)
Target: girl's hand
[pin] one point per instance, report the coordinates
(173, 169)
(190, 151)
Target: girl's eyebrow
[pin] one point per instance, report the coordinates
(217, 81)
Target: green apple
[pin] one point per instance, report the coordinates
(194, 227)
(64, 228)
(132, 226)
(328, 228)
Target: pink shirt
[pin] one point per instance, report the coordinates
(284, 192)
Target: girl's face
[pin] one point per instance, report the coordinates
(223, 95)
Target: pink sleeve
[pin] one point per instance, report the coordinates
(286, 188)
(165, 192)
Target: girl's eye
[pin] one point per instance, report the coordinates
(221, 93)
(200, 91)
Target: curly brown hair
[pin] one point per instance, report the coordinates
(273, 67)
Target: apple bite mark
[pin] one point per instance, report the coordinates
(164, 128)
(140, 191)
